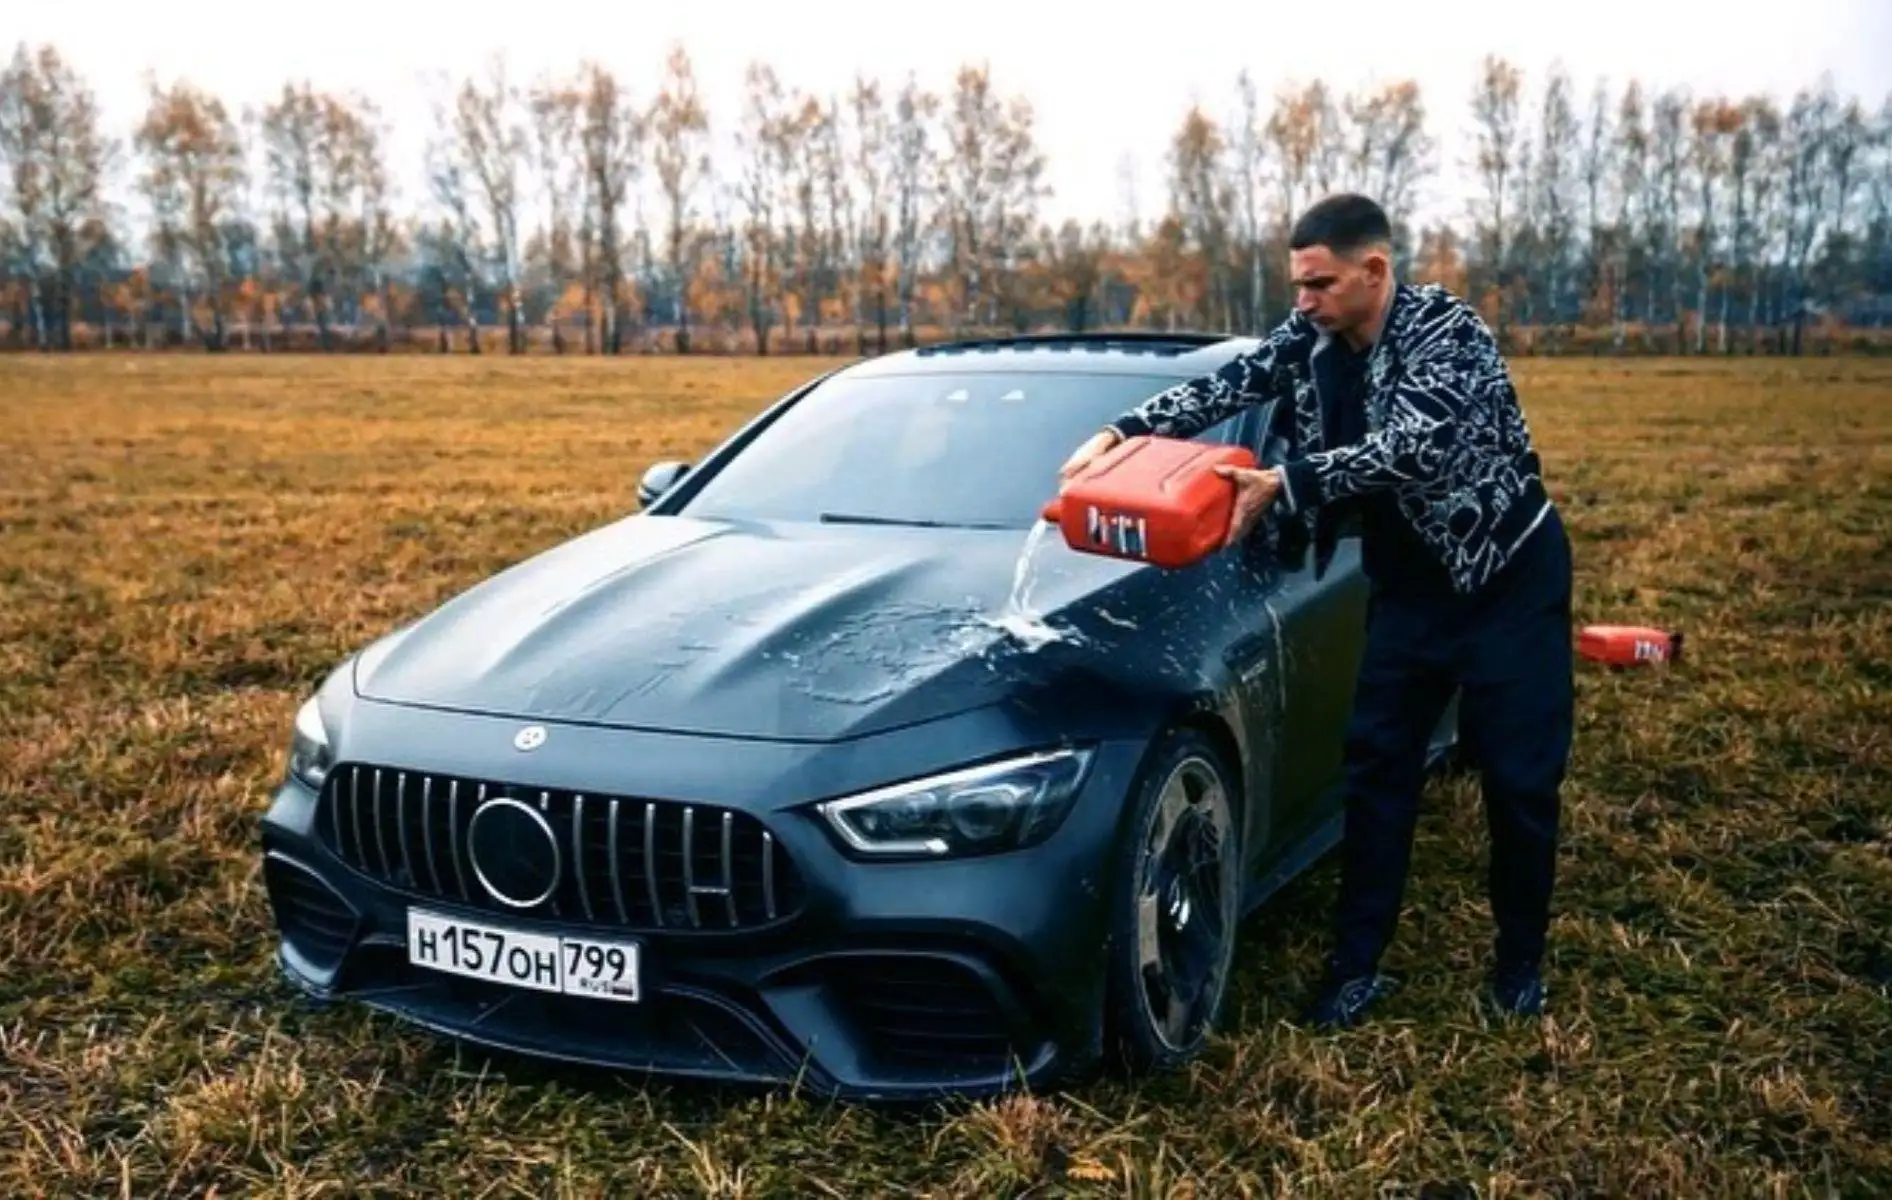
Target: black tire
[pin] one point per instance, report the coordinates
(1194, 926)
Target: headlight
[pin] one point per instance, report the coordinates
(309, 754)
(999, 806)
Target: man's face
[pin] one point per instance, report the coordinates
(1336, 292)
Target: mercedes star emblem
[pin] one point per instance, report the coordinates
(514, 853)
(529, 738)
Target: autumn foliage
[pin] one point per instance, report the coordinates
(586, 212)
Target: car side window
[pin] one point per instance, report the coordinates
(1256, 438)
(1229, 431)
(1283, 540)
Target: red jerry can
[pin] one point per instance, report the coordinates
(1150, 499)
(1629, 645)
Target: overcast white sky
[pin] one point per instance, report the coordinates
(1106, 82)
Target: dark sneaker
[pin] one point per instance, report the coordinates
(1517, 989)
(1341, 1003)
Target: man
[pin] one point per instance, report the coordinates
(1395, 403)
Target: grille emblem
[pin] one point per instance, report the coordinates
(514, 853)
(529, 738)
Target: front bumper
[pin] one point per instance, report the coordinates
(880, 981)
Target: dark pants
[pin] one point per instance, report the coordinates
(1509, 650)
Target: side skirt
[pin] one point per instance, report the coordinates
(1315, 845)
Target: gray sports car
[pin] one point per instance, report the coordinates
(832, 765)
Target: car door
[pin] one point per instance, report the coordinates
(1320, 625)
(1254, 655)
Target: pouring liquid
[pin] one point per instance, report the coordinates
(1017, 617)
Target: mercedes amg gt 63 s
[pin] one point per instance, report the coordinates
(833, 765)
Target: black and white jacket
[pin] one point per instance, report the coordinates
(1445, 434)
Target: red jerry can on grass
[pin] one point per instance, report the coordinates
(1629, 645)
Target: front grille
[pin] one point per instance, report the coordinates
(626, 863)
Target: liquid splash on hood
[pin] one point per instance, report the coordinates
(872, 655)
(1017, 619)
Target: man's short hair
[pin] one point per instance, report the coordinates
(1343, 223)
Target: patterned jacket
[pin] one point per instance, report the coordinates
(1445, 434)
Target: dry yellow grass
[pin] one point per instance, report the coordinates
(187, 543)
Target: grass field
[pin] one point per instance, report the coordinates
(187, 544)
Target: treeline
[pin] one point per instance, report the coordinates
(588, 213)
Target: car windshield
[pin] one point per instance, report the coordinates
(968, 449)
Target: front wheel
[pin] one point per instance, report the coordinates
(1175, 909)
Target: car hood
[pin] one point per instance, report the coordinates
(765, 631)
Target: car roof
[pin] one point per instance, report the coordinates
(1138, 352)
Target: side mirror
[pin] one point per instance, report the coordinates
(660, 478)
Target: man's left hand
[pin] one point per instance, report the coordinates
(1255, 490)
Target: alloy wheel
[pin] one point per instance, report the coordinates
(1186, 902)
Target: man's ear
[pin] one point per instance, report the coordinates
(1378, 262)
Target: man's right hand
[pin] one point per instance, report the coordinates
(1103, 441)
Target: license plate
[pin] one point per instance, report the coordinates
(604, 970)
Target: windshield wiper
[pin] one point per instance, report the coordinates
(832, 518)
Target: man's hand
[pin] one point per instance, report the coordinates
(1103, 441)
(1255, 490)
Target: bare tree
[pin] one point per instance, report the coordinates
(1741, 169)
(1295, 131)
(992, 183)
(291, 131)
(679, 125)
(56, 160)
(329, 188)
(913, 190)
(828, 165)
(1495, 105)
(1877, 252)
(1556, 184)
(1806, 183)
(1848, 146)
(802, 132)
(1249, 161)
(194, 176)
(1202, 201)
(1072, 261)
(1021, 169)
(380, 239)
(969, 181)
(762, 143)
(1713, 124)
(1632, 162)
(1594, 167)
(490, 139)
(870, 159)
(1387, 152)
(1767, 227)
(554, 107)
(1663, 215)
(613, 134)
(453, 239)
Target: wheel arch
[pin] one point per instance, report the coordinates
(1221, 725)
(1212, 723)
(1202, 714)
